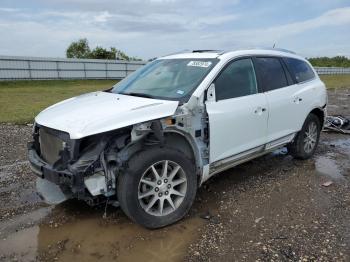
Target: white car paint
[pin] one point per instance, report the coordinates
(284, 112)
(289, 107)
(98, 112)
(240, 128)
(236, 125)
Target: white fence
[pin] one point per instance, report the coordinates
(17, 67)
(332, 70)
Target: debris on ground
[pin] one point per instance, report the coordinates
(338, 123)
(258, 219)
(328, 183)
(206, 215)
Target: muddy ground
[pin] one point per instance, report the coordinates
(273, 208)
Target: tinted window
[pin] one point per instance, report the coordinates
(237, 79)
(271, 73)
(300, 69)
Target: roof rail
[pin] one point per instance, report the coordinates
(178, 52)
(219, 52)
(279, 49)
(206, 51)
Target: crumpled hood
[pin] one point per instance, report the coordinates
(99, 112)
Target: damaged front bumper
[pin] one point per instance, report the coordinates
(52, 185)
(46, 171)
(56, 186)
(51, 193)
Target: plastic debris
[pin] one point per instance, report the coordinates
(258, 219)
(206, 215)
(338, 124)
(327, 184)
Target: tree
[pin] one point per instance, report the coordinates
(78, 49)
(337, 61)
(102, 53)
(81, 49)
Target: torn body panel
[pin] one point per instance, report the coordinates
(89, 166)
(100, 112)
(77, 160)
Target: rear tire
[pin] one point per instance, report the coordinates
(157, 188)
(306, 141)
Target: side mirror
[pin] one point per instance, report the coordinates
(211, 93)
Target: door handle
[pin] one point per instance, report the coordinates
(297, 100)
(259, 110)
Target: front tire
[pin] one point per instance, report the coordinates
(158, 187)
(306, 141)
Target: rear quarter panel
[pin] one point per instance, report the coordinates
(314, 95)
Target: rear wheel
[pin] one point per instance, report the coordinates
(306, 141)
(158, 187)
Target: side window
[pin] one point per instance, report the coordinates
(271, 73)
(300, 69)
(237, 79)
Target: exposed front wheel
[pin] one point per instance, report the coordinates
(306, 141)
(158, 187)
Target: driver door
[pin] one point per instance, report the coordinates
(238, 113)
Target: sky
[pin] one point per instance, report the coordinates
(152, 28)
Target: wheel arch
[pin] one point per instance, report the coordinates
(320, 113)
(184, 143)
(172, 138)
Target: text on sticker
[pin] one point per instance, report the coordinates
(199, 63)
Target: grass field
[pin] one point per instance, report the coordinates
(21, 101)
(336, 81)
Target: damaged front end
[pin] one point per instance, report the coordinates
(87, 168)
(83, 168)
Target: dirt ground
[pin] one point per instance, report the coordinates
(273, 208)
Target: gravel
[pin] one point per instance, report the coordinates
(273, 208)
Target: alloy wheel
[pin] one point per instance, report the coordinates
(310, 137)
(162, 188)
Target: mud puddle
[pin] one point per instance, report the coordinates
(335, 164)
(74, 231)
(327, 166)
(21, 246)
(22, 221)
(343, 144)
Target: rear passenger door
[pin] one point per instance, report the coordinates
(308, 90)
(283, 97)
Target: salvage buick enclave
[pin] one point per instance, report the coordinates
(151, 140)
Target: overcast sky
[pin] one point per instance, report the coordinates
(152, 28)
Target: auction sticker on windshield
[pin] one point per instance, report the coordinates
(199, 63)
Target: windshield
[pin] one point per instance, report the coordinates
(173, 79)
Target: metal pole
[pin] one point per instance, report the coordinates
(106, 70)
(58, 70)
(84, 70)
(29, 69)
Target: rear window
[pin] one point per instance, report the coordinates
(271, 73)
(300, 69)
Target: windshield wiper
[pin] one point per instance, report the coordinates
(137, 94)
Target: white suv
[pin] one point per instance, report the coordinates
(150, 141)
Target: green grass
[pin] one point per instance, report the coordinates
(336, 81)
(21, 101)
